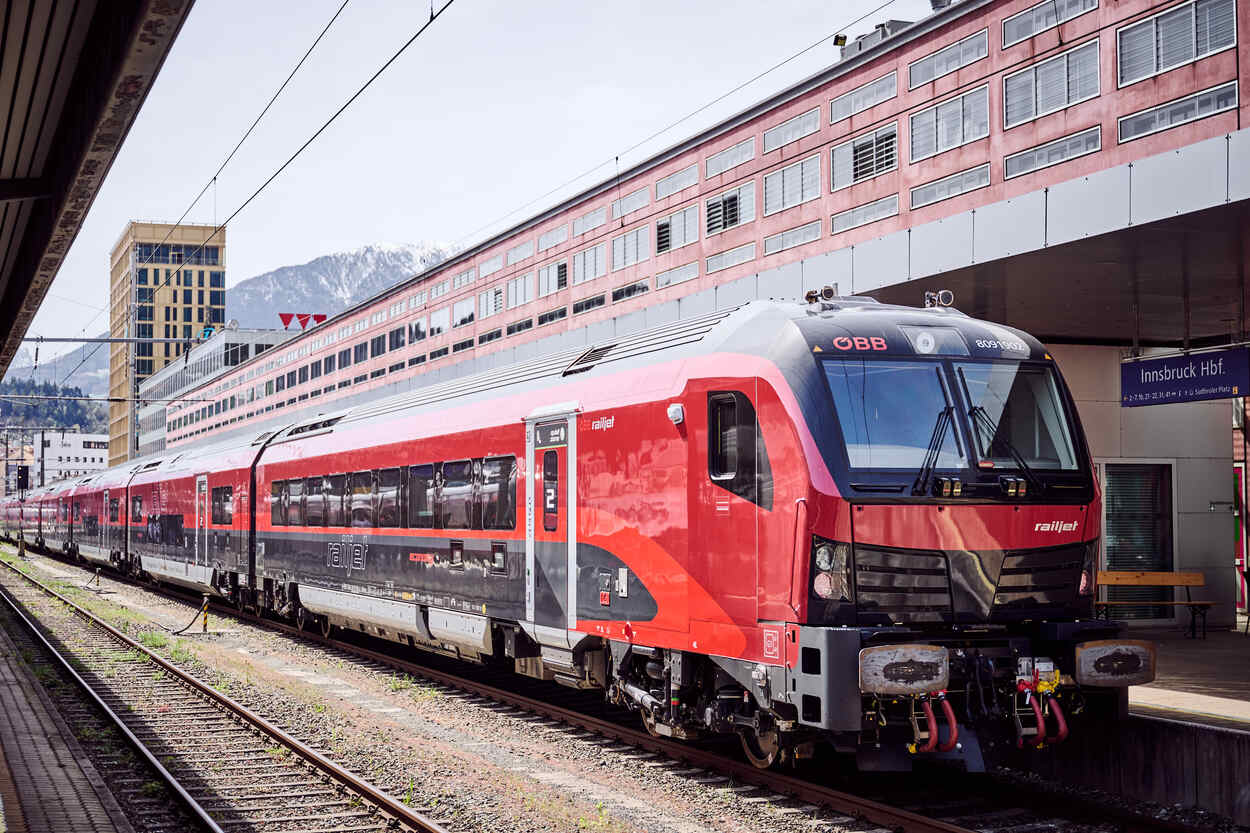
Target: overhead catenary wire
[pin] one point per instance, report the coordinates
(213, 179)
(616, 157)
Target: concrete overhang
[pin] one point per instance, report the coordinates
(72, 79)
(1148, 253)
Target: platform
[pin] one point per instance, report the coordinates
(47, 785)
(1199, 680)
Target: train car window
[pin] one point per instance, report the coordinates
(314, 502)
(277, 503)
(136, 509)
(77, 512)
(113, 510)
(223, 505)
(551, 491)
(360, 499)
(497, 493)
(295, 503)
(737, 459)
(335, 487)
(455, 497)
(422, 496)
(389, 504)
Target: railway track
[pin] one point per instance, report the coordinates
(910, 806)
(227, 768)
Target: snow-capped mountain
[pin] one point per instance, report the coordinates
(327, 284)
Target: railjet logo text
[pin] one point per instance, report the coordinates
(1055, 526)
(603, 423)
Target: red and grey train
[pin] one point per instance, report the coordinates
(845, 522)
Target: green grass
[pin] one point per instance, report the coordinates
(153, 639)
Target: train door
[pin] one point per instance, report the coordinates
(201, 520)
(551, 526)
(102, 528)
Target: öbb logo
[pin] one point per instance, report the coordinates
(860, 343)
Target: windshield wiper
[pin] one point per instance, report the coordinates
(980, 417)
(934, 451)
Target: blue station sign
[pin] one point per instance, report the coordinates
(1219, 374)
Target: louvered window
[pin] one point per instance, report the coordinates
(862, 215)
(553, 238)
(590, 221)
(950, 124)
(490, 302)
(792, 130)
(1181, 111)
(790, 238)
(1051, 85)
(628, 249)
(518, 253)
(1045, 15)
(863, 158)
(678, 230)
(587, 304)
(488, 267)
(590, 264)
(520, 290)
(440, 289)
(1054, 152)
(678, 275)
(553, 278)
(622, 293)
(733, 257)
(792, 185)
(950, 186)
(863, 97)
(948, 59)
(1138, 532)
(673, 183)
(629, 203)
(730, 157)
(732, 208)
(1175, 37)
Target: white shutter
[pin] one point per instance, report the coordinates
(773, 194)
(1215, 25)
(1018, 93)
(1052, 85)
(810, 187)
(1174, 37)
(843, 165)
(1136, 51)
(923, 134)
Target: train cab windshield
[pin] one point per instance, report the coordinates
(903, 417)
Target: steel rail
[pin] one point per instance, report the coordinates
(848, 803)
(385, 802)
(170, 781)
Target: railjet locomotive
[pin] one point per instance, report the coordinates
(839, 522)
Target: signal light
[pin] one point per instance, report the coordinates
(957, 488)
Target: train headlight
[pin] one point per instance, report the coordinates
(832, 577)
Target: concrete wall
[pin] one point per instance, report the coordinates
(1195, 438)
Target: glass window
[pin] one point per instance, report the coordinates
(1017, 408)
(361, 499)
(455, 497)
(295, 503)
(333, 488)
(497, 493)
(389, 505)
(223, 505)
(551, 490)
(889, 412)
(314, 502)
(277, 503)
(422, 496)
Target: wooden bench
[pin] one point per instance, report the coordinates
(1128, 578)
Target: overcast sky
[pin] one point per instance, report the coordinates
(495, 105)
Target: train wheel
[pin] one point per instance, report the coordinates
(323, 625)
(303, 618)
(763, 749)
(648, 721)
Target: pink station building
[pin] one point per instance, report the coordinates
(1077, 168)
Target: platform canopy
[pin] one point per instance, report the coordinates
(72, 79)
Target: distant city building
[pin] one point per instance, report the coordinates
(165, 281)
(225, 349)
(63, 454)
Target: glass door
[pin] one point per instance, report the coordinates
(1138, 533)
